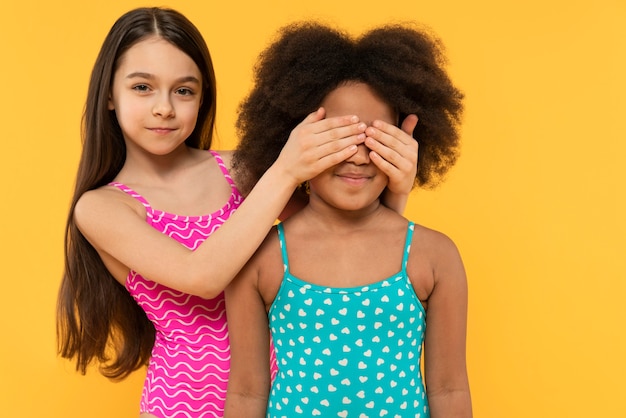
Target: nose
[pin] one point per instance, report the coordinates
(163, 106)
(361, 157)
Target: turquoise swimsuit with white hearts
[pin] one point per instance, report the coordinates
(348, 352)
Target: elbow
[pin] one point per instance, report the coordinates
(210, 294)
(207, 290)
(207, 284)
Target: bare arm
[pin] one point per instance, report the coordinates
(249, 380)
(124, 239)
(446, 323)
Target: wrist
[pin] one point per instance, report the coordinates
(280, 176)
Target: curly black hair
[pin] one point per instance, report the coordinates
(403, 64)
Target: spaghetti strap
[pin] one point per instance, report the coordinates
(407, 244)
(131, 193)
(283, 246)
(222, 166)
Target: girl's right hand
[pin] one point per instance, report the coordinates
(317, 144)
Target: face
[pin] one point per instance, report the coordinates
(156, 96)
(355, 183)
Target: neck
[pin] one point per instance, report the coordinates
(336, 219)
(141, 166)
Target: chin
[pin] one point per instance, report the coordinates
(357, 206)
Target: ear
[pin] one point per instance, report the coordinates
(111, 105)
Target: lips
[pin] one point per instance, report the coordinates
(161, 130)
(354, 179)
(354, 175)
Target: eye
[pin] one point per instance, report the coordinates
(184, 91)
(141, 88)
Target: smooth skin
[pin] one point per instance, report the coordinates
(344, 224)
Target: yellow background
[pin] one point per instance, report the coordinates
(536, 203)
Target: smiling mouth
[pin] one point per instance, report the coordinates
(354, 176)
(161, 130)
(354, 179)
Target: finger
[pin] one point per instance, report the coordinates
(314, 116)
(314, 130)
(393, 150)
(339, 145)
(390, 162)
(325, 160)
(333, 158)
(357, 129)
(384, 165)
(339, 126)
(327, 133)
(404, 135)
(409, 123)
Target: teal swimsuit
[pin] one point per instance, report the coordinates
(348, 352)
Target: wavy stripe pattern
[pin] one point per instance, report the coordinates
(188, 372)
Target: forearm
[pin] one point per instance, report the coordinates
(223, 254)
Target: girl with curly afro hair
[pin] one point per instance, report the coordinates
(354, 294)
(405, 66)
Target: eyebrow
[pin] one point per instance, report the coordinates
(139, 74)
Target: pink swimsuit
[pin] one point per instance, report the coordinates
(188, 371)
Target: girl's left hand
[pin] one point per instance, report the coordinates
(394, 151)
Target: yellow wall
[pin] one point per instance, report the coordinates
(536, 203)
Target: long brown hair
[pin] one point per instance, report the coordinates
(97, 319)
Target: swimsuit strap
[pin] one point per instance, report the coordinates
(220, 163)
(146, 204)
(283, 246)
(405, 257)
(132, 193)
(407, 245)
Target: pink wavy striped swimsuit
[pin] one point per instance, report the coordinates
(188, 372)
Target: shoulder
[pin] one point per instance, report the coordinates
(264, 270)
(437, 248)
(269, 247)
(105, 195)
(435, 262)
(102, 203)
(427, 238)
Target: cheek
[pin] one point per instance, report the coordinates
(188, 112)
(126, 113)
